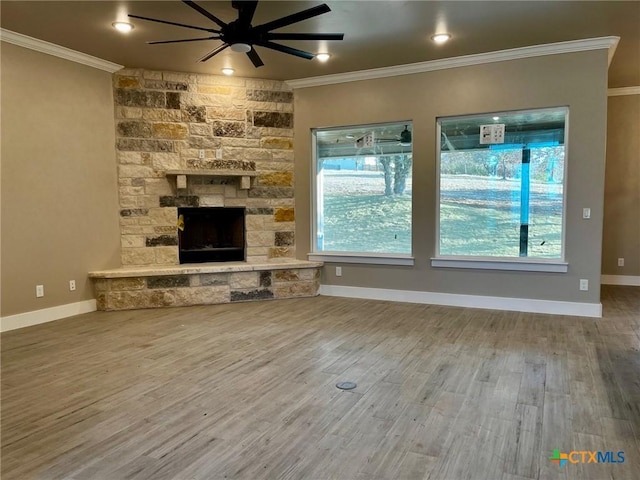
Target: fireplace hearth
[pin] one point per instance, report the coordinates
(211, 234)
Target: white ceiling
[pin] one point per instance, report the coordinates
(377, 33)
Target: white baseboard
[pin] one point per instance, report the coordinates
(36, 317)
(628, 280)
(470, 301)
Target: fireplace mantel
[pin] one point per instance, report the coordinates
(181, 176)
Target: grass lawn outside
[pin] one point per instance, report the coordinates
(479, 216)
(358, 217)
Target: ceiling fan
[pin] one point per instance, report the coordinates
(403, 139)
(243, 37)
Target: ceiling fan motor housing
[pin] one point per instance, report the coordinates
(236, 34)
(405, 136)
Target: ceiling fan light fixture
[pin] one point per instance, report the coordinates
(405, 137)
(123, 27)
(228, 71)
(240, 47)
(323, 57)
(441, 37)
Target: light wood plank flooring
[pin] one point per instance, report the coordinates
(247, 391)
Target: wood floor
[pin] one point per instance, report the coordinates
(247, 391)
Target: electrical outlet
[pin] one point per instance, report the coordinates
(338, 271)
(72, 285)
(39, 291)
(621, 262)
(200, 153)
(584, 284)
(218, 153)
(586, 213)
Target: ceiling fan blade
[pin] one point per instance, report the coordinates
(214, 52)
(210, 30)
(183, 40)
(294, 18)
(202, 11)
(285, 49)
(305, 36)
(246, 9)
(255, 58)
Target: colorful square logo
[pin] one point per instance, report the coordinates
(559, 458)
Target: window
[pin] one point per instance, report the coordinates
(501, 185)
(362, 190)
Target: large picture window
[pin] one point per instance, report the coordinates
(501, 185)
(363, 189)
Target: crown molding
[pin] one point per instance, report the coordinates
(57, 51)
(609, 43)
(616, 92)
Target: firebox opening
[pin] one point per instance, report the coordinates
(212, 234)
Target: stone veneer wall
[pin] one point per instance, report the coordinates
(204, 288)
(163, 120)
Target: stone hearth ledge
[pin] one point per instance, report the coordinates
(199, 268)
(128, 288)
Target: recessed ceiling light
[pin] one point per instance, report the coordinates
(123, 27)
(496, 118)
(350, 136)
(440, 37)
(228, 71)
(323, 57)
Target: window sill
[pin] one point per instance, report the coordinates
(513, 265)
(367, 258)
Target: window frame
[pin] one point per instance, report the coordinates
(530, 264)
(372, 258)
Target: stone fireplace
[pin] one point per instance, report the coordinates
(211, 234)
(232, 141)
(188, 146)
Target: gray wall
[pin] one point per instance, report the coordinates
(59, 187)
(622, 187)
(578, 80)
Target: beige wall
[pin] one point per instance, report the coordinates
(578, 80)
(621, 236)
(59, 189)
